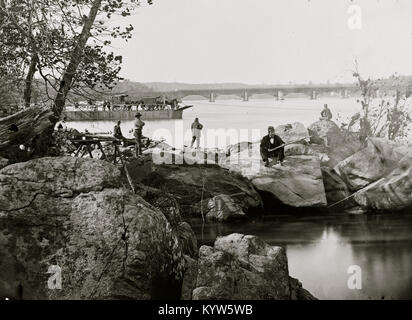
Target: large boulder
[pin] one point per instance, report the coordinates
(328, 142)
(336, 190)
(238, 147)
(72, 216)
(170, 207)
(325, 131)
(297, 183)
(297, 149)
(187, 156)
(223, 208)
(392, 192)
(194, 185)
(340, 152)
(371, 163)
(189, 278)
(243, 267)
(3, 162)
(292, 132)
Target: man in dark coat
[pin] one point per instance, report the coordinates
(326, 114)
(138, 127)
(270, 142)
(118, 132)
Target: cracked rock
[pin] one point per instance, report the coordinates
(73, 213)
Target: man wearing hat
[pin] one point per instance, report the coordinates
(196, 130)
(271, 147)
(138, 127)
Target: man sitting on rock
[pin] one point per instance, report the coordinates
(326, 114)
(61, 125)
(118, 132)
(271, 147)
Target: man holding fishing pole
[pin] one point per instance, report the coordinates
(272, 147)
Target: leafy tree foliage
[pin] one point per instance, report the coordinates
(65, 42)
(387, 116)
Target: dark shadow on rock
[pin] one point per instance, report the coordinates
(273, 206)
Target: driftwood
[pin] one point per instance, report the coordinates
(31, 128)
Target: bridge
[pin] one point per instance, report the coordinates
(278, 92)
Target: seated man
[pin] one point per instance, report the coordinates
(326, 114)
(117, 132)
(61, 125)
(271, 147)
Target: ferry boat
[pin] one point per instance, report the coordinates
(151, 108)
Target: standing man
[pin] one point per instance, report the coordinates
(270, 142)
(326, 114)
(138, 127)
(196, 130)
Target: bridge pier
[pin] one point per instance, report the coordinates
(245, 96)
(279, 95)
(212, 97)
(344, 94)
(314, 95)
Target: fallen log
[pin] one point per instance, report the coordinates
(26, 134)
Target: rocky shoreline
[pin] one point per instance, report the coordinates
(344, 176)
(112, 243)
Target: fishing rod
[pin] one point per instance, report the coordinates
(354, 194)
(288, 143)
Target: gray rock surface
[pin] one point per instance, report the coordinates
(297, 183)
(325, 131)
(391, 192)
(223, 208)
(244, 267)
(3, 162)
(292, 132)
(371, 163)
(193, 186)
(74, 213)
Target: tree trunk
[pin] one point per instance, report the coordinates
(32, 128)
(29, 79)
(76, 58)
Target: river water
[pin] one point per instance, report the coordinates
(320, 248)
(236, 119)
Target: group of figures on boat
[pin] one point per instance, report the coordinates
(143, 104)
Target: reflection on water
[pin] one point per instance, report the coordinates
(320, 250)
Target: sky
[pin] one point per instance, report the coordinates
(267, 41)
